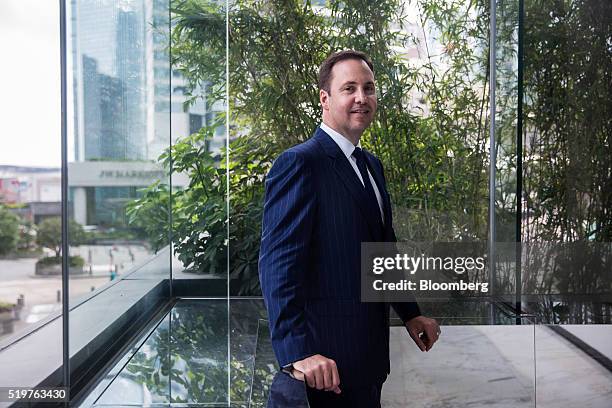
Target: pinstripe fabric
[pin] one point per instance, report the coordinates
(313, 224)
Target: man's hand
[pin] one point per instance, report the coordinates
(319, 372)
(424, 331)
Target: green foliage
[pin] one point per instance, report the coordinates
(150, 213)
(567, 111)
(50, 234)
(114, 234)
(199, 211)
(198, 47)
(9, 231)
(432, 149)
(250, 162)
(189, 351)
(275, 49)
(436, 163)
(431, 130)
(568, 151)
(75, 261)
(6, 307)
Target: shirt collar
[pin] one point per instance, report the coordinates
(343, 143)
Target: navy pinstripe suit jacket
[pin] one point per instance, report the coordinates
(309, 265)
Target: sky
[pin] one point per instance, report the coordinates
(30, 83)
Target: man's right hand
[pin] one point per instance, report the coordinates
(319, 372)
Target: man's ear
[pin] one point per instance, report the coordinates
(324, 99)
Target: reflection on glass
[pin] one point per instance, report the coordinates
(267, 380)
(118, 67)
(566, 122)
(436, 159)
(199, 202)
(245, 315)
(506, 105)
(142, 381)
(183, 361)
(567, 160)
(118, 125)
(185, 357)
(30, 182)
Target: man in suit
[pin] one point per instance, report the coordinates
(324, 198)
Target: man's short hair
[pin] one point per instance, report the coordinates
(325, 70)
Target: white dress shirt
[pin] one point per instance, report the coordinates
(348, 148)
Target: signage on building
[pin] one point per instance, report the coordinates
(135, 174)
(119, 174)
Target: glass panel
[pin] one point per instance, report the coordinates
(118, 188)
(424, 379)
(506, 105)
(244, 317)
(434, 143)
(566, 135)
(200, 207)
(199, 180)
(183, 361)
(144, 378)
(566, 128)
(268, 383)
(574, 365)
(566, 193)
(566, 197)
(431, 129)
(118, 130)
(30, 193)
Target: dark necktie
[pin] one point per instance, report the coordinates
(363, 169)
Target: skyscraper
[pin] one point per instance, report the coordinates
(110, 86)
(128, 105)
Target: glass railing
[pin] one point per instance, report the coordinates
(486, 355)
(496, 365)
(268, 383)
(574, 351)
(184, 360)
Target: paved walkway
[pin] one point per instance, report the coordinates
(493, 366)
(17, 277)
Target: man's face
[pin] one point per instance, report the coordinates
(350, 105)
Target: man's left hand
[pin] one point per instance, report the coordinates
(424, 331)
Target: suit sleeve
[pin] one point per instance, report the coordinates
(288, 215)
(405, 310)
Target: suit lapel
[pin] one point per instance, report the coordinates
(347, 175)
